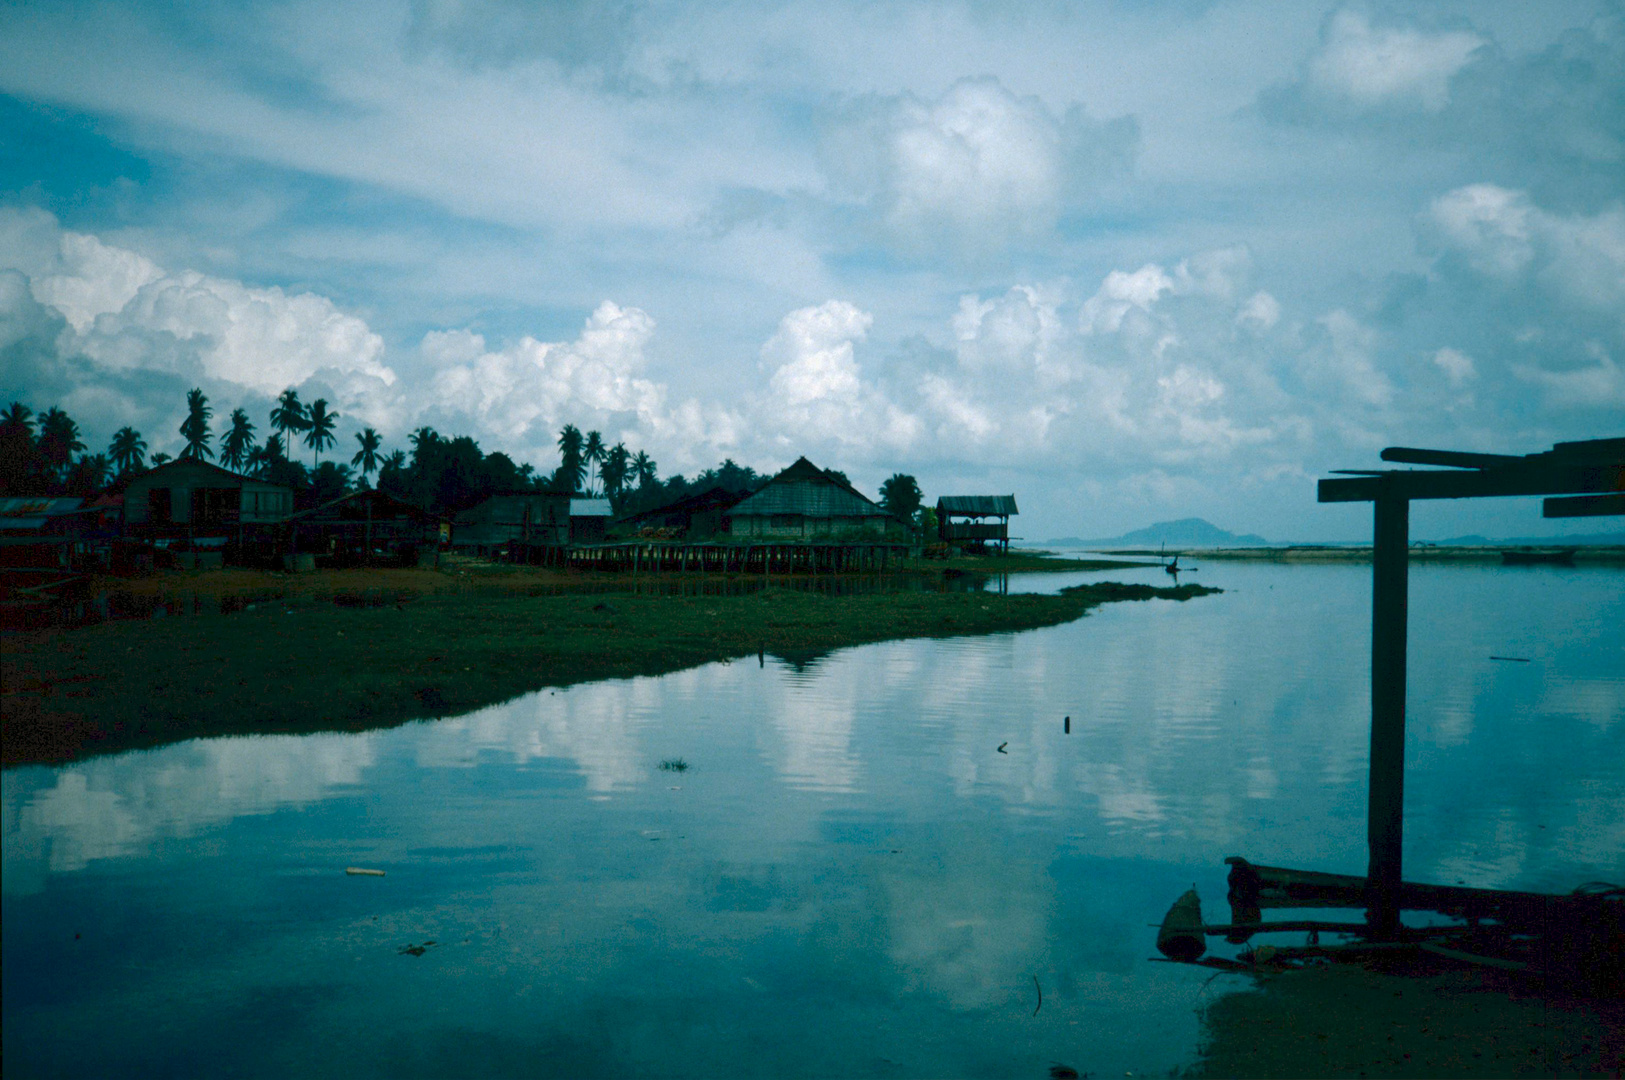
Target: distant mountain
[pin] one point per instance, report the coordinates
(1186, 532)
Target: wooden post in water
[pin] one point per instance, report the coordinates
(1386, 808)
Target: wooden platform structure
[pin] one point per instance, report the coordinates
(1584, 479)
(810, 557)
(1579, 936)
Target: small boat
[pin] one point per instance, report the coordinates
(1538, 556)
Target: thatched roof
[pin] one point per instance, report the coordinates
(978, 505)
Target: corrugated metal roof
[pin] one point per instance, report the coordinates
(977, 504)
(590, 508)
(33, 513)
(807, 490)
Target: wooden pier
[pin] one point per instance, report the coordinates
(808, 557)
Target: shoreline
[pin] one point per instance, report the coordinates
(375, 657)
(1584, 555)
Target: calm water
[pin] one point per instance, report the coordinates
(848, 878)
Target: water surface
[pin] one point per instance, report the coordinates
(849, 877)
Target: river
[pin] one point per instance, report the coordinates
(870, 864)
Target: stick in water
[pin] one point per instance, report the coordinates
(1040, 990)
(355, 870)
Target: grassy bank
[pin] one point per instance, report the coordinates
(303, 663)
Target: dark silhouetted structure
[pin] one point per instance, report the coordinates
(804, 501)
(364, 527)
(1588, 477)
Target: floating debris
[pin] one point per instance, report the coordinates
(675, 764)
(1512, 659)
(1002, 749)
(359, 871)
(416, 950)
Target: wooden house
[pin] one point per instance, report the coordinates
(696, 516)
(804, 502)
(364, 527)
(518, 519)
(976, 520)
(194, 500)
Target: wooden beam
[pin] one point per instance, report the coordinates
(1386, 805)
(1459, 459)
(1543, 479)
(1584, 506)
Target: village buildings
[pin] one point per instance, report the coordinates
(804, 502)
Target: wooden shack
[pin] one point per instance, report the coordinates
(696, 516)
(364, 527)
(515, 520)
(976, 520)
(803, 502)
(195, 500)
(589, 520)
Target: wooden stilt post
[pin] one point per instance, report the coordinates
(1386, 808)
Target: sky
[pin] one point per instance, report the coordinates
(1130, 261)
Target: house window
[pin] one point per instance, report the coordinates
(158, 505)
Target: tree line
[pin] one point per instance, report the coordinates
(45, 455)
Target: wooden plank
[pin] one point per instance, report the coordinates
(1537, 479)
(1584, 506)
(1460, 459)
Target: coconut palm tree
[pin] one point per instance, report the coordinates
(615, 469)
(643, 467)
(128, 450)
(289, 415)
(593, 453)
(19, 453)
(58, 439)
(367, 457)
(236, 444)
(195, 428)
(16, 418)
(319, 434)
(89, 475)
(571, 466)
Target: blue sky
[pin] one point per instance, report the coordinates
(1130, 261)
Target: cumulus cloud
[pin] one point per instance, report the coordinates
(523, 393)
(973, 167)
(1402, 65)
(1501, 234)
(1457, 366)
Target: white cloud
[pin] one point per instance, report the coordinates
(974, 166)
(1457, 366)
(1261, 312)
(1371, 65)
(1598, 385)
(1501, 234)
(1119, 294)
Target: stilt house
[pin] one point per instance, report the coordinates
(982, 519)
(803, 502)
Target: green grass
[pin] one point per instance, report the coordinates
(303, 665)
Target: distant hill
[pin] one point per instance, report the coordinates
(1186, 532)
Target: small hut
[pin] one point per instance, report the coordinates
(364, 527)
(982, 519)
(803, 502)
(589, 520)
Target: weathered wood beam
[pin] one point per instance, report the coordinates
(1386, 806)
(1478, 484)
(1584, 506)
(1458, 458)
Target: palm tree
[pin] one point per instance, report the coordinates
(367, 457)
(643, 467)
(195, 428)
(571, 467)
(319, 435)
(17, 418)
(615, 469)
(58, 439)
(128, 449)
(89, 475)
(236, 443)
(289, 414)
(593, 451)
(160, 458)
